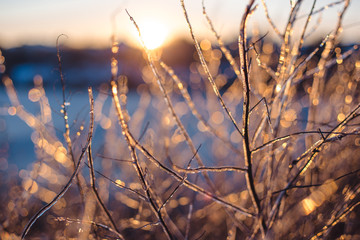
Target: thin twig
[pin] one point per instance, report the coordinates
(207, 71)
(246, 117)
(210, 169)
(144, 131)
(325, 7)
(100, 225)
(328, 64)
(140, 195)
(193, 109)
(225, 51)
(92, 173)
(64, 103)
(114, 159)
(66, 118)
(187, 230)
(180, 183)
(296, 134)
(68, 184)
(131, 145)
(318, 84)
(305, 27)
(318, 184)
(276, 30)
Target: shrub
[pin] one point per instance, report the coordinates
(268, 153)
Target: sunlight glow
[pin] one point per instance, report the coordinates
(153, 34)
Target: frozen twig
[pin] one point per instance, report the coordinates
(207, 71)
(92, 173)
(66, 118)
(99, 225)
(210, 169)
(276, 30)
(223, 48)
(119, 185)
(246, 117)
(131, 145)
(68, 184)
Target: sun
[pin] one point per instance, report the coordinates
(153, 34)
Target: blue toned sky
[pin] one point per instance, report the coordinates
(87, 23)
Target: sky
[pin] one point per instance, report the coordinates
(88, 23)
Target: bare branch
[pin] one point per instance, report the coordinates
(210, 169)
